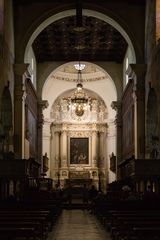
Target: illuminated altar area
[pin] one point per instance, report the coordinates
(78, 142)
(79, 131)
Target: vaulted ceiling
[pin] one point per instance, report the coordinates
(93, 40)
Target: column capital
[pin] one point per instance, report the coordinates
(116, 105)
(102, 129)
(136, 70)
(63, 131)
(43, 104)
(94, 132)
(94, 127)
(57, 132)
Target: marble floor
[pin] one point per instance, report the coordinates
(78, 224)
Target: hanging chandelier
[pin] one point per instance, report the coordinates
(79, 100)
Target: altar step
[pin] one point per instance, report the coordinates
(77, 203)
(74, 206)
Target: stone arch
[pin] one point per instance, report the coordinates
(41, 24)
(55, 68)
(112, 20)
(49, 90)
(47, 69)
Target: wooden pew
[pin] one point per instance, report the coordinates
(122, 224)
(13, 233)
(27, 219)
(31, 219)
(38, 231)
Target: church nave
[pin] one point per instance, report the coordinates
(78, 224)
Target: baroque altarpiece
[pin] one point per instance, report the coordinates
(78, 146)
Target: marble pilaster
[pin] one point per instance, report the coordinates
(57, 149)
(101, 149)
(94, 149)
(63, 148)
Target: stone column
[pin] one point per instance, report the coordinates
(103, 163)
(46, 141)
(101, 149)
(63, 148)
(137, 73)
(57, 149)
(111, 147)
(21, 73)
(52, 154)
(94, 149)
(116, 105)
(41, 106)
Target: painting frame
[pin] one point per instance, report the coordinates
(79, 151)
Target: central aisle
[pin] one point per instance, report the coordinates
(78, 224)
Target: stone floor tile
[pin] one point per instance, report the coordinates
(78, 224)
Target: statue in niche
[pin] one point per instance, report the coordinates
(112, 156)
(45, 163)
(112, 162)
(154, 152)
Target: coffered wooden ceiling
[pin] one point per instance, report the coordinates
(95, 40)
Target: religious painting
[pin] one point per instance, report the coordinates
(32, 134)
(79, 151)
(31, 119)
(128, 128)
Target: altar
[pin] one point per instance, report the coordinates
(78, 178)
(79, 175)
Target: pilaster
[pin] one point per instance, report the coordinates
(41, 106)
(57, 149)
(117, 106)
(21, 73)
(46, 140)
(94, 149)
(63, 149)
(101, 150)
(137, 73)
